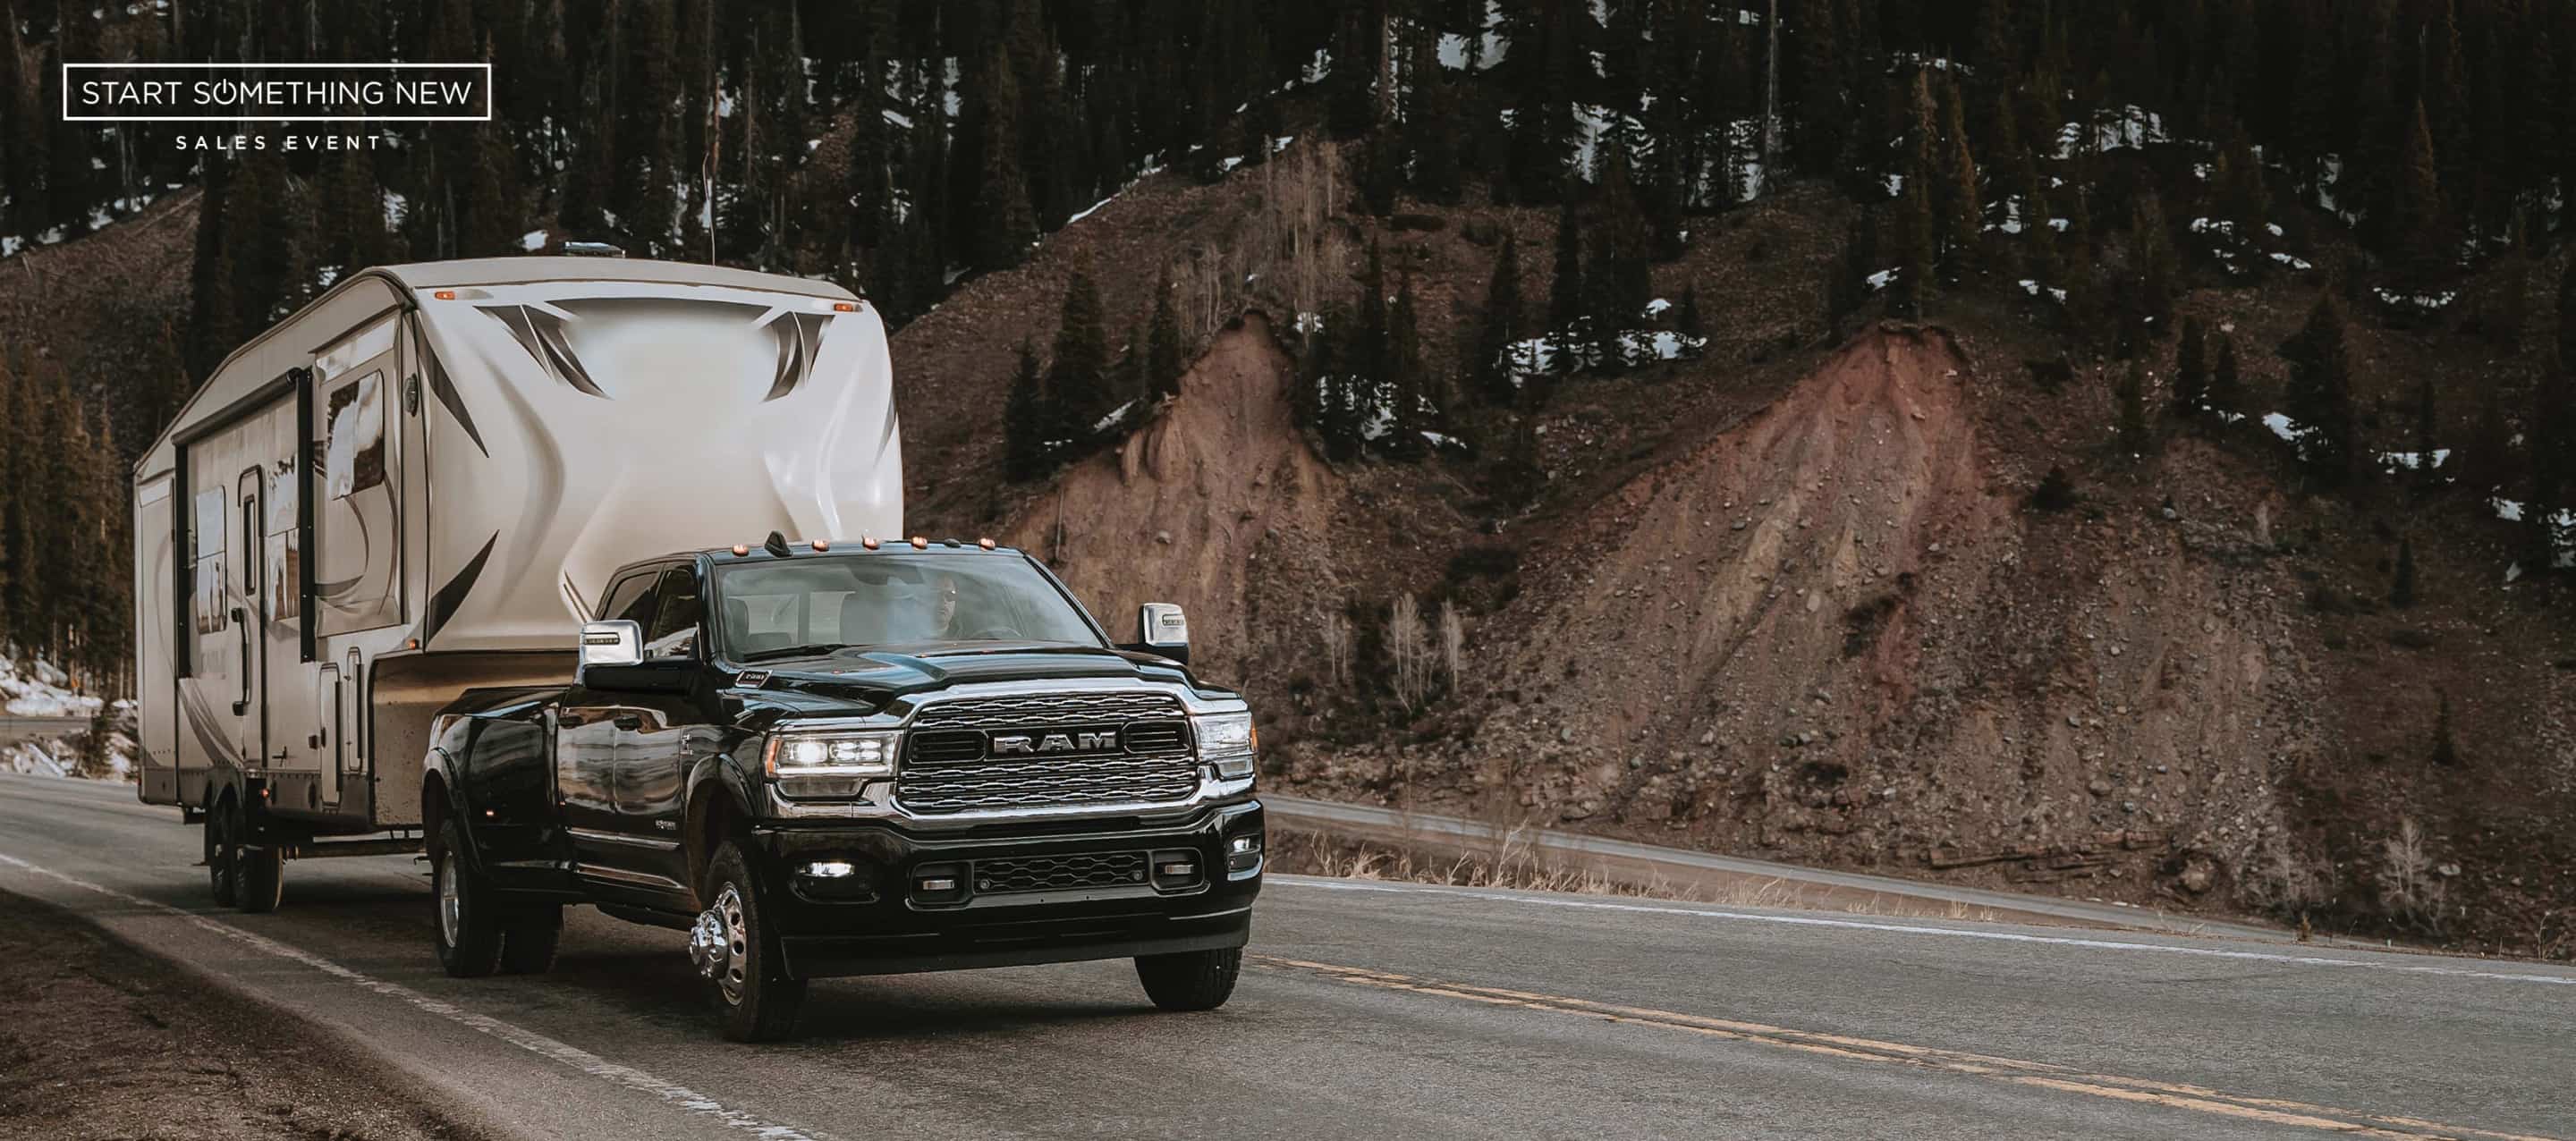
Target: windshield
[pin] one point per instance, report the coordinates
(821, 603)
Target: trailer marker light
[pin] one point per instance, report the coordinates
(845, 307)
(445, 295)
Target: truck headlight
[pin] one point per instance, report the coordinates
(1226, 741)
(824, 766)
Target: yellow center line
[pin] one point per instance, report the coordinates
(2044, 1075)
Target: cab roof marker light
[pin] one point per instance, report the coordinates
(742, 548)
(822, 544)
(868, 541)
(920, 543)
(987, 544)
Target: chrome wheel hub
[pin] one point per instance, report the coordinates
(451, 906)
(720, 946)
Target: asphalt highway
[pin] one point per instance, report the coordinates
(1379, 1010)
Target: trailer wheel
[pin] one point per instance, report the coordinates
(223, 853)
(529, 937)
(469, 938)
(737, 954)
(263, 878)
(1190, 980)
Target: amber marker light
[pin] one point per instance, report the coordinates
(742, 548)
(822, 544)
(845, 307)
(920, 543)
(445, 295)
(868, 541)
(987, 544)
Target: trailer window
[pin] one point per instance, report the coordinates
(353, 455)
(206, 544)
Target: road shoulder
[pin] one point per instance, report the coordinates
(103, 1040)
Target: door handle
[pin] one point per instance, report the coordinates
(242, 619)
(628, 721)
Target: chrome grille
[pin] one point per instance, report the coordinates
(946, 769)
(1059, 873)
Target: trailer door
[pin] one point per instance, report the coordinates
(250, 617)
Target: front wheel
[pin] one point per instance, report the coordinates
(737, 955)
(1190, 980)
(468, 933)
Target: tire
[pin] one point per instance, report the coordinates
(1191, 980)
(263, 879)
(737, 955)
(467, 932)
(223, 854)
(529, 937)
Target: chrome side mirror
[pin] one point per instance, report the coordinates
(1162, 629)
(614, 643)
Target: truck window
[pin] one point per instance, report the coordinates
(627, 599)
(677, 612)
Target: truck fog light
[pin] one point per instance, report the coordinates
(1241, 844)
(1180, 871)
(938, 885)
(830, 869)
(1242, 854)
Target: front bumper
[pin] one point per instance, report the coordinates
(877, 917)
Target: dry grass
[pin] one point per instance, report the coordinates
(1512, 863)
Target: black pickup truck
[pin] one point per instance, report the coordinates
(825, 759)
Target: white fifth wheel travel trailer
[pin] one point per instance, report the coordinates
(418, 483)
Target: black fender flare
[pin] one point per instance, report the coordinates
(717, 784)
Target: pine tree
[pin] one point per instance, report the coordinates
(2567, 316)
(1965, 219)
(2134, 436)
(1163, 363)
(2159, 269)
(1686, 318)
(1025, 421)
(1128, 385)
(1914, 252)
(1502, 326)
(2401, 590)
(1565, 299)
(1002, 222)
(1620, 278)
(2191, 370)
(2426, 478)
(2545, 443)
(1405, 383)
(2416, 218)
(2226, 388)
(2446, 742)
(2487, 466)
(1077, 380)
(2319, 394)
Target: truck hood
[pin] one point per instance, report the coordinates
(869, 680)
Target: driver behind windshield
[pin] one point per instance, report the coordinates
(817, 605)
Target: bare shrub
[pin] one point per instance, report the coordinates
(1453, 641)
(1408, 645)
(1336, 631)
(2407, 888)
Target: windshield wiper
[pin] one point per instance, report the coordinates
(791, 652)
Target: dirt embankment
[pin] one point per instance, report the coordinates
(1217, 505)
(1832, 634)
(98, 1040)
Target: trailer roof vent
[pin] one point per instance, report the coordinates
(592, 250)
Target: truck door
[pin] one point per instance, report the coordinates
(654, 732)
(586, 748)
(249, 617)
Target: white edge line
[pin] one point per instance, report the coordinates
(1917, 929)
(529, 1040)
